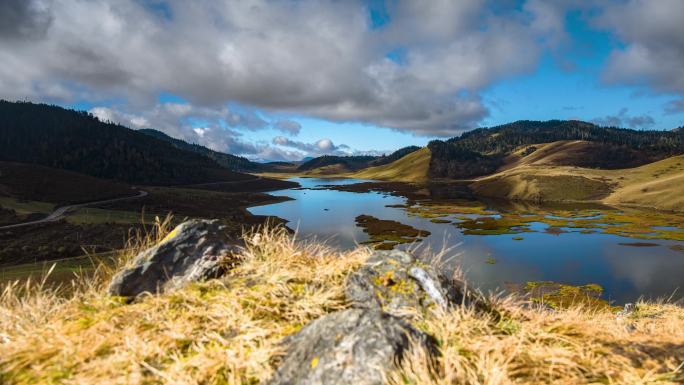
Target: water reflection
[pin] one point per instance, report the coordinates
(570, 256)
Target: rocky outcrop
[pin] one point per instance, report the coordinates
(361, 345)
(354, 346)
(396, 282)
(194, 251)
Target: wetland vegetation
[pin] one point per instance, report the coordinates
(627, 252)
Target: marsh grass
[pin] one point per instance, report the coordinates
(228, 331)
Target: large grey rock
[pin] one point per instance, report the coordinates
(354, 346)
(395, 282)
(194, 251)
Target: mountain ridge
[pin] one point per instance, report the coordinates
(60, 138)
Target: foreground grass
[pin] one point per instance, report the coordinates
(228, 331)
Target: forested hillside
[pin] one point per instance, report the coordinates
(482, 151)
(77, 141)
(356, 162)
(232, 162)
(350, 163)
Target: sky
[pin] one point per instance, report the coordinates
(283, 80)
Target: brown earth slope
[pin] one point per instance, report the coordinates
(544, 175)
(411, 168)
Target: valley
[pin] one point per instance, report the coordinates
(505, 197)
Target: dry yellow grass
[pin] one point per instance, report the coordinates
(658, 185)
(227, 331)
(410, 168)
(413, 167)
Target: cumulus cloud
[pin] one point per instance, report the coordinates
(323, 146)
(288, 126)
(422, 72)
(180, 120)
(319, 58)
(623, 119)
(21, 19)
(674, 106)
(653, 37)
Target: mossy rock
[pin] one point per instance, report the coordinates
(397, 283)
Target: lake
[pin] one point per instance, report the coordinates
(499, 245)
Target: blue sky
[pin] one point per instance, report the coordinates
(288, 79)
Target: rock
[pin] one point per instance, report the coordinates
(626, 311)
(195, 250)
(354, 346)
(395, 281)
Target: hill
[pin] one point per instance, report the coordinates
(231, 162)
(410, 168)
(485, 150)
(77, 141)
(656, 185)
(340, 163)
(336, 165)
(396, 155)
(23, 181)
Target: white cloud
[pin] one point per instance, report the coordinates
(317, 58)
(323, 146)
(623, 119)
(653, 37)
(288, 126)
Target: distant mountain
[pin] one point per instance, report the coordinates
(232, 162)
(482, 151)
(355, 162)
(77, 141)
(346, 163)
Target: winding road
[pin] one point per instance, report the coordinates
(60, 211)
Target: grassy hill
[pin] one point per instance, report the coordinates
(410, 168)
(656, 185)
(338, 165)
(396, 155)
(77, 141)
(485, 150)
(543, 177)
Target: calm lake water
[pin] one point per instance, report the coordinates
(493, 262)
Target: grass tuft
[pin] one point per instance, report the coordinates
(228, 331)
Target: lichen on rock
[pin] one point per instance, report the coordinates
(353, 346)
(396, 282)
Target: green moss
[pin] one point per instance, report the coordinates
(386, 234)
(508, 326)
(437, 220)
(558, 296)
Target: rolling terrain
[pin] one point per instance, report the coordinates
(413, 167)
(77, 141)
(71, 184)
(544, 177)
(588, 164)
